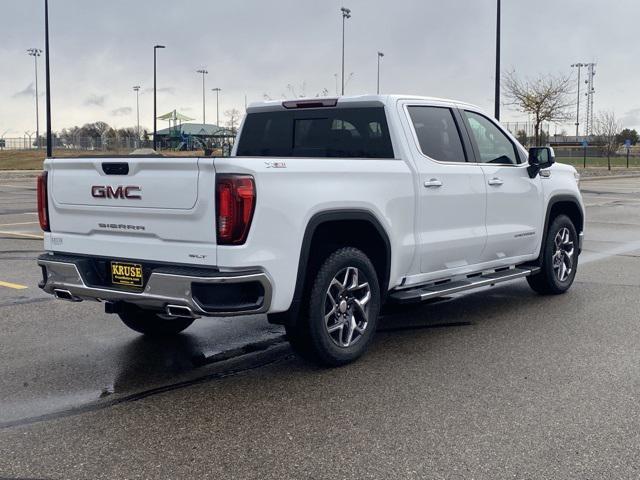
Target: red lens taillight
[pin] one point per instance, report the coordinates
(235, 202)
(43, 202)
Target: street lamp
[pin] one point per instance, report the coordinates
(346, 13)
(203, 72)
(349, 78)
(155, 113)
(579, 67)
(380, 55)
(218, 90)
(35, 53)
(47, 77)
(497, 91)
(137, 90)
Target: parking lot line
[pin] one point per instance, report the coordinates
(15, 286)
(18, 223)
(20, 234)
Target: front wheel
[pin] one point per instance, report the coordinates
(151, 323)
(559, 258)
(342, 310)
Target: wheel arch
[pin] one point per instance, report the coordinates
(363, 231)
(568, 205)
(562, 204)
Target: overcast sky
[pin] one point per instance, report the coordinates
(100, 49)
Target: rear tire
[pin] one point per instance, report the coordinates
(559, 258)
(151, 323)
(341, 313)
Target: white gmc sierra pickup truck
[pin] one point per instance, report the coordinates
(327, 209)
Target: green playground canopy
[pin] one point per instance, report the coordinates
(174, 116)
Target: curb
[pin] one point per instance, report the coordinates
(608, 177)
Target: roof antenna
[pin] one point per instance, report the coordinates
(47, 76)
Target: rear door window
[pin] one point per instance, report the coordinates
(437, 133)
(336, 132)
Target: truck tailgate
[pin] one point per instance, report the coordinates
(155, 208)
(163, 183)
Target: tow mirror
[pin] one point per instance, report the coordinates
(539, 158)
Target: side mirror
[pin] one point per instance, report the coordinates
(539, 158)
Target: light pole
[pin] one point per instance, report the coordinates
(497, 91)
(380, 55)
(203, 72)
(47, 77)
(217, 90)
(346, 84)
(579, 67)
(155, 113)
(137, 90)
(346, 13)
(35, 53)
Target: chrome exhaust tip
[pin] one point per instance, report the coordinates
(179, 311)
(61, 294)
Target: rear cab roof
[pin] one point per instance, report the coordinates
(351, 101)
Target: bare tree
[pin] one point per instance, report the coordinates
(606, 129)
(522, 137)
(233, 119)
(545, 98)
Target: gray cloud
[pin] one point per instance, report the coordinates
(122, 111)
(29, 91)
(95, 100)
(169, 90)
(631, 117)
(435, 48)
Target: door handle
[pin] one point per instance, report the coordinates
(434, 182)
(496, 181)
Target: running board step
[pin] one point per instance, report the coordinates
(420, 294)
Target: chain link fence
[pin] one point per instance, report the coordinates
(121, 145)
(579, 156)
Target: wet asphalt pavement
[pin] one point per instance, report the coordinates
(499, 383)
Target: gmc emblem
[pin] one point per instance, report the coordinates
(121, 192)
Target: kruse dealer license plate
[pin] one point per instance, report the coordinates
(126, 274)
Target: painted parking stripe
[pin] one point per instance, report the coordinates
(21, 234)
(17, 223)
(15, 286)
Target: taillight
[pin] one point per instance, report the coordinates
(235, 202)
(43, 202)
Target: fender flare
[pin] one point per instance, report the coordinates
(555, 199)
(290, 316)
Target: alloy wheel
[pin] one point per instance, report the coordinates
(346, 314)
(563, 254)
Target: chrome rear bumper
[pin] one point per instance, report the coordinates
(163, 291)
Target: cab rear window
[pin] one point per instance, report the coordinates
(319, 133)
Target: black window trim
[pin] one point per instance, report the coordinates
(474, 143)
(469, 154)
